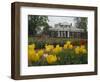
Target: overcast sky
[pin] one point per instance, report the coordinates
(60, 19)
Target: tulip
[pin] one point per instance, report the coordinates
(31, 46)
(48, 48)
(57, 49)
(80, 49)
(51, 59)
(40, 52)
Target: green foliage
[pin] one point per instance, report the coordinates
(40, 43)
(68, 56)
(81, 22)
(34, 23)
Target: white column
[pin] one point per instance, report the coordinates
(61, 34)
(68, 34)
(58, 33)
(64, 33)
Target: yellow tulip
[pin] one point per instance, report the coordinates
(52, 46)
(40, 52)
(32, 56)
(84, 51)
(68, 42)
(35, 58)
(57, 46)
(31, 53)
(77, 50)
(57, 49)
(68, 45)
(80, 49)
(51, 59)
(31, 46)
(82, 46)
(48, 48)
(65, 46)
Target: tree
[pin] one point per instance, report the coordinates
(81, 22)
(46, 29)
(35, 22)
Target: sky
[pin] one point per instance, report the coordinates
(60, 19)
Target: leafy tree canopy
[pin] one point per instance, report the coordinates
(81, 22)
(35, 22)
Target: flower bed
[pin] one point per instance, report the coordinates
(50, 54)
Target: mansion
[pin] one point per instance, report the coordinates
(66, 30)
